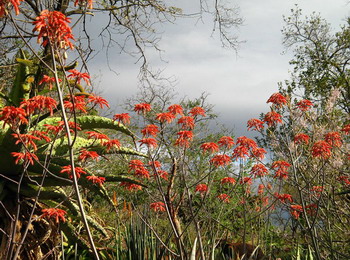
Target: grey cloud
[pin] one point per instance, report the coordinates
(239, 85)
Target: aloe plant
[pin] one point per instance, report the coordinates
(38, 178)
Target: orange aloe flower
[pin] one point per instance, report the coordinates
(53, 28)
(176, 109)
(210, 147)
(142, 108)
(277, 99)
(197, 111)
(55, 213)
(150, 130)
(226, 141)
(157, 206)
(123, 117)
(201, 188)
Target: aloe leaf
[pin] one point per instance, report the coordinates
(73, 207)
(61, 147)
(91, 122)
(51, 181)
(21, 87)
(30, 190)
(69, 231)
(4, 130)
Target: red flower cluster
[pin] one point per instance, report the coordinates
(149, 142)
(48, 80)
(311, 209)
(68, 169)
(157, 206)
(228, 180)
(150, 130)
(155, 164)
(224, 198)
(197, 111)
(123, 117)
(96, 135)
(334, 139)
(27, 140)
(246, 142)
(111, 144)
(176, 109)
(130, 186)
(304, 105)
(54, 29)
(321, 149)
(277, 99)
(42, 135)
(186, 122)
(317, 189)
(226, 141)
(55, 213)
(85, 154)
(261, 189)
(265, 201)
(201, 188)
(38, 103)
(76, 103)
(165, 117)
(220, 160)
(255, 124)
(97, 100)
(244, 145)
(142, 108)
(301, 139)
(346, 129)
(78, 76)
(96, 179)
(272, 118)
(246, 180)
(284, 197)
(138, 168)
(162, 174)
(258, 153)
(281, 169)
(4, 4)
(240, 152)
(27, 156)
(55, 129)
(184, 139)
(13, 116)
(210, 147)
(259, 170)
(296, 210)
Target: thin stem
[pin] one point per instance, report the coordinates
(71, 157)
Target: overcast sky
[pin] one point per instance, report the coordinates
(239, 84)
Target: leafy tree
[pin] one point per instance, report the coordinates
(202, 187)
(311, 145)
(320, 60)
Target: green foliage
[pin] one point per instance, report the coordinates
(320, 62)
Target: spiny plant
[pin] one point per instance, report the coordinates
(49, 133)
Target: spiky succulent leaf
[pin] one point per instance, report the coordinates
(61, 147)
(21, 86)
(90, 122)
